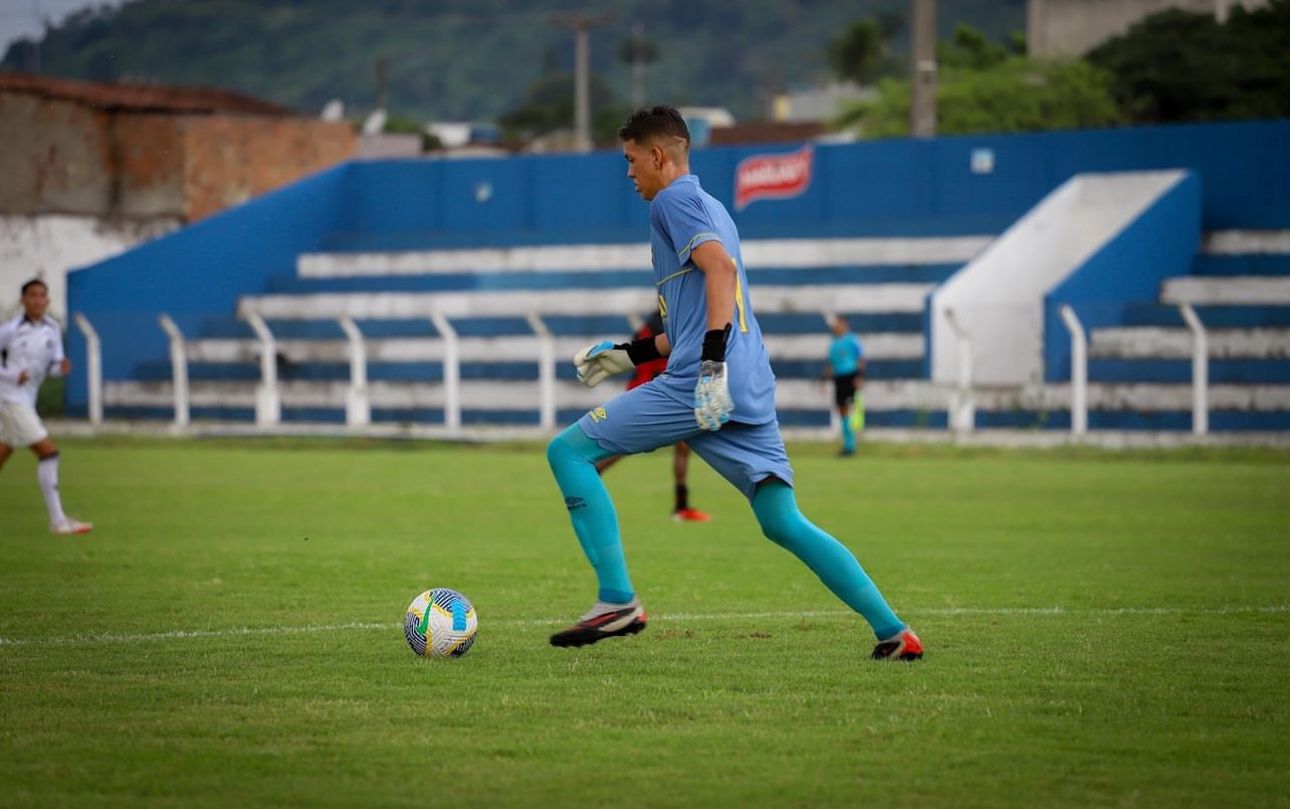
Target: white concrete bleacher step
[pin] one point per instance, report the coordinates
(624, 301)
(1246, 242)
(512, 348)
(1248, 290)
(1152, 342)
(757, 253)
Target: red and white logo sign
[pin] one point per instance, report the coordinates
(772, 176)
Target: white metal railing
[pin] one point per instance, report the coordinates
(358, 408)
(93, 367)
(178, 368)
(1079, 371)
(268, 404)
(1199, 370)
(546, 370)
(962, 416)
(451, 370)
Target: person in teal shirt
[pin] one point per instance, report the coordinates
(846, 367)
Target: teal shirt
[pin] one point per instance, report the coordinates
(845, 353)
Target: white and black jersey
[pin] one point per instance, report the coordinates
(32, 346)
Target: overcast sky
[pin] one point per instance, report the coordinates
(22, 18)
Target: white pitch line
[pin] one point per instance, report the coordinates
(181, 634)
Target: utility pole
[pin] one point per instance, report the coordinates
(35, 45)
(922, 72)
(638, 65)
(382, 83)
(581, 24)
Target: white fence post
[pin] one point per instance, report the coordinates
(93, 368)
(1199, 370)
(178, 367)
(962, 405)
(1079, 371)
(546, 371)
(358, 408)
(268, 406)
(451, 371)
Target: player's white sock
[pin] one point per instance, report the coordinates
(47, 474)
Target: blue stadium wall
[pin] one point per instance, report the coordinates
(884, 188)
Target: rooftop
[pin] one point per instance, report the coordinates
(139, 97)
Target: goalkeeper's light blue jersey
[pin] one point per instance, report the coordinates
(682, 217)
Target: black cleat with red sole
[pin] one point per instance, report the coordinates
(906, 646)
(616, 623)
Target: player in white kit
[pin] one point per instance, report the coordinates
(31, 349)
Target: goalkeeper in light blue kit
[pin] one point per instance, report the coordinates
(718, 395)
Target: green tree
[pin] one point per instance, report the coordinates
(444, 57)
(862, 53)
(1178, 66)
(969, 48)
(549, 107)
(983, 89)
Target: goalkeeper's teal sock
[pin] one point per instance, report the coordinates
(848, 435)
(573, 457)
(782, 521)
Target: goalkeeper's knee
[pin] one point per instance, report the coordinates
(571, 447)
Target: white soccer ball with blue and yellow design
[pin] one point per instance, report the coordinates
(440, 623)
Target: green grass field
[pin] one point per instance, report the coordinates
(1103, 629)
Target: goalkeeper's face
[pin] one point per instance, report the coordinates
(645, 168)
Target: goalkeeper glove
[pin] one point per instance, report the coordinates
(712, 402)
(598, 362)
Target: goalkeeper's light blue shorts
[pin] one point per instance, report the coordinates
(650, 416)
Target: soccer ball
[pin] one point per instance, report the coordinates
(440, 623)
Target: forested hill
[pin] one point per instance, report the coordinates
(456, 60)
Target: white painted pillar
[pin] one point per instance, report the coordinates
(93, 368)
(1199, 370)
(268, 405)
(546, 371)
(178, 368)
(358, 408)
(962, 404)
(1079, 372)
(451, 371)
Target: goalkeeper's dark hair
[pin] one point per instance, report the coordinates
(645, 125)
(35, 282)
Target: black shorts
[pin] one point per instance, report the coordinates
(844, 389)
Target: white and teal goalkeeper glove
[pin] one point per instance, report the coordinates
(712, 402)
(599, 361)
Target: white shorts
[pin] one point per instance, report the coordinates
(20, 426)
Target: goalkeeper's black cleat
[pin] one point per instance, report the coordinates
(596, 626)
(904, 646)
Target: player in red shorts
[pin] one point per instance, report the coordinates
(681, 453)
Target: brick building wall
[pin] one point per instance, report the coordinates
(102, 150)
(229, 159)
